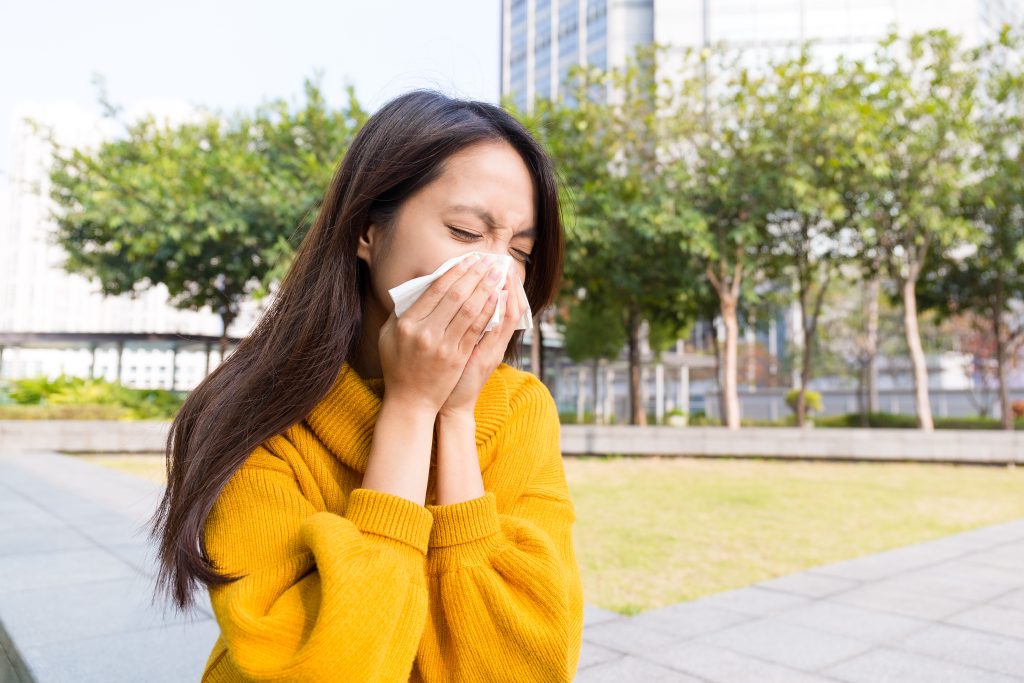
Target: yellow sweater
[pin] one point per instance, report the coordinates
(344, 583)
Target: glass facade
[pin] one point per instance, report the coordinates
(542, 48)
(517, 57)
(557, 34)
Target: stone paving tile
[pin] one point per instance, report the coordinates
(854, 622)
(1009, 556)
(626, 637)
(688, 619)
(887, 664)
(19, 541)
(596, 615)
(995, 619)
(969, 571)
(28, 516)
(173, 654)
(1013, 599)
(999, 533)
(755, 601)
(968, 647)
(717, 664)
(63, 613)
(628, 669)
(900, 597)
(810, 585)
(794, 646)
(890, 562)
(142, 556)
(591, 654)
(113, 530)
(63, 568)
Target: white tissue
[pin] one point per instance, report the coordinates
(405, 294)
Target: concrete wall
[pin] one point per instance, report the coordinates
(770, 404)
(945, 445)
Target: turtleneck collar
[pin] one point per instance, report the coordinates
(345, 418)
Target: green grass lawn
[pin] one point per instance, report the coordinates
(654, 531)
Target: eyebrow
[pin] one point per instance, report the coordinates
(485, 215)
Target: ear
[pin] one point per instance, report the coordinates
(367, 244)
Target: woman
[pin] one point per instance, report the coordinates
(377, 499)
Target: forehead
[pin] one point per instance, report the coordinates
(491, 175)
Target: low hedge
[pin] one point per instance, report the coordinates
(79, 398)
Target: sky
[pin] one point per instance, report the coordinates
(231, 55)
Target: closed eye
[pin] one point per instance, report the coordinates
(464, 234)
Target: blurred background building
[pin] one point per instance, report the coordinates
(52, 321)
(541, 39)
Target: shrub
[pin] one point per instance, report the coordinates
(1018, 410)
(812, 400)
(110, 400)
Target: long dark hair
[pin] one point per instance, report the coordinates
(314, 323)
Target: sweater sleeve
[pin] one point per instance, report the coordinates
(323, 596)
(509, 599)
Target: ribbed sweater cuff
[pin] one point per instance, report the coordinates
(465, 521)
(391, 515)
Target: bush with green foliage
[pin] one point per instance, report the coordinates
(68, 397)
(812, 400)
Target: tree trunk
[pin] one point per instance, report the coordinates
(595, 387)
(805, 378)
(1005, 407)
(719, 382)
(913, 334)
(731, 417)
(871, 344)
(638, 416)
(862, 404)
(805, 354)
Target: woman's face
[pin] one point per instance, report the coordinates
(483, 201)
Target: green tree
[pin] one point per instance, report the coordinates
(627, 221)
(734, 193)
(808, 126)
(919, 93)
(205, 207)
(988, 280)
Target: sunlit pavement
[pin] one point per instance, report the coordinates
(76, 575)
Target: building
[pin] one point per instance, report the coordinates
(38, 296)
(541, 39)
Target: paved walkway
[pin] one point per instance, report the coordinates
(945, 610)
(75, 587)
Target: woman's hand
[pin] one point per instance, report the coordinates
(488, 354)
(423, 353)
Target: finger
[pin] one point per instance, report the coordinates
(514, 310)
(459, 295)
(474, 331)
(465, 317)
(499, 337)
(427, 302)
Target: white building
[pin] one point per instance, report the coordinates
(541, 39)
(37, 296)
